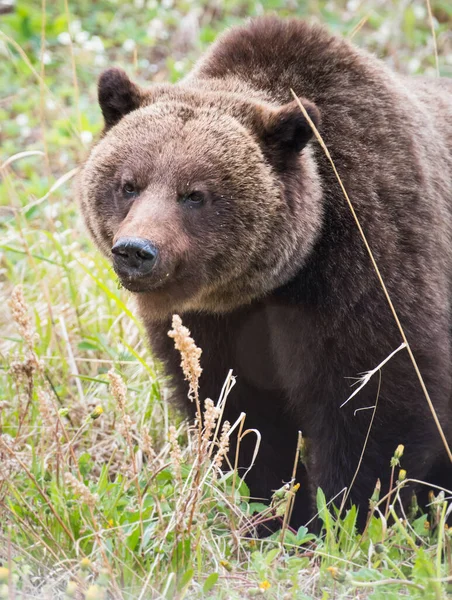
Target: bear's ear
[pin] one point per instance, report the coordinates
(287, 131)
(117, 96)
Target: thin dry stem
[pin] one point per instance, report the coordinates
(432, 28)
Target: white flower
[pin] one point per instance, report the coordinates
(75, 26)
(353, 5)
(414, 64)
(155, 28)
(86, 137)
(22, 120)
(100, 60)
(64, 38)
(419, 11)
(46, 57)
(95, 44)
(81, 37)
(50, 211)
(383, 34)
(129, 45)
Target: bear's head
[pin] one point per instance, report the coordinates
(203, 199)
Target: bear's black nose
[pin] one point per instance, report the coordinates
(134, 257)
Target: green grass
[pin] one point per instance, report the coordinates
(120, 502)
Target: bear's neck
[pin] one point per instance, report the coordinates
(273, 57)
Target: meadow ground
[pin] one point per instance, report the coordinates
(104, 491)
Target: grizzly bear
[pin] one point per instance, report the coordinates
(214, 201)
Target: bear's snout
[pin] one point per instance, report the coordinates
(134, 257)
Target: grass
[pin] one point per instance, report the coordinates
(104, 490)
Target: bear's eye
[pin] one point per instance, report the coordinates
(129, 189)
(193, 199)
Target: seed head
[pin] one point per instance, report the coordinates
(19, 311)
(118, 388)
(190, 354)
(81, 489)
(223, 446)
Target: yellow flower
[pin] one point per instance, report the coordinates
(4, 575)
(95, 592)
(71, 589)
(85, 564)
(96, 412)
(265, 585)
(227, 565)
(402, 475)
(337, 574)
(399, 451)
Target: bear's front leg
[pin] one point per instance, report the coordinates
(346, 466)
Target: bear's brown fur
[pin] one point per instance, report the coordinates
(260, 255)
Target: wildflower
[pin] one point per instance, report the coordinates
(85, 564)
(86, 137)
(376, 493)
(64, 38)
(304, 451)
(4, 575)
(226, 565)
(22, 121)
(337, 574)
(380, 549)
(399, 451)
(265, 585)
(95, 592)
(71, 589)
(129, 45)
(414, 507)
(96, 413)
(402, 475)
(395, 460)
